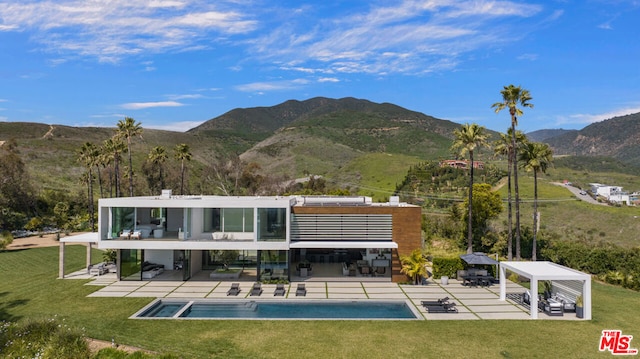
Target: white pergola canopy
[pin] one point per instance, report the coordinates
(539, 271)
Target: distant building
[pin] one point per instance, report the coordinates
(462, 164)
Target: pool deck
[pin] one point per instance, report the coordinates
(473, 303)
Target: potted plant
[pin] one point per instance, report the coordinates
(579, 307)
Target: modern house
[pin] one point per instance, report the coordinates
(260, 238)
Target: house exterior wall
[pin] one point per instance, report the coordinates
(189, 211)
(406, 230)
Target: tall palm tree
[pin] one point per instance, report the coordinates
(468, 138)
(127, 129)
(414, 265)
(511, 97)
(502, 147)
(158, 156)
(535, 157)
(182, 153)
(114, 147)
(88, 155)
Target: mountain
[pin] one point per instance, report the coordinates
(543, 135)
(618, 137)
(340, 139)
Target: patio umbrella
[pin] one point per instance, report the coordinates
(478, 258)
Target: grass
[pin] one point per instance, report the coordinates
(30, 290)
(563, 213)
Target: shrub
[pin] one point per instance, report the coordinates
(42, 339)
(447, 267)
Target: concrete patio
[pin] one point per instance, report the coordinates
(473, 303)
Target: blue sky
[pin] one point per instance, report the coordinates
(173, 64)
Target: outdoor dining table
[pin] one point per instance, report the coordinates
(475, 280)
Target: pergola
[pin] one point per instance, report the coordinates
(540, 271)
(85, 238)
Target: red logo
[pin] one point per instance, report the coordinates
(617, 343)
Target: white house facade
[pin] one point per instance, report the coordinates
(260, 238)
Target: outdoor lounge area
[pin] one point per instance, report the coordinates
(470, 303)
(564, 288)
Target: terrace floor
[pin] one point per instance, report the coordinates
(473, 303)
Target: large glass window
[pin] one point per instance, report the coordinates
(121, 218)
(130, 264)
(228, 220)
(274, 265)
(272, 224)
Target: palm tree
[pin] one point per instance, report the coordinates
(127, 129)
(88, 155)
(114, 148)
(502, 147)
(536, 157)
(182, 153)
(413, 265)
(511, 97)
(468, 138)
(157, 156)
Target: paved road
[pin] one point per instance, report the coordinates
(583, 197)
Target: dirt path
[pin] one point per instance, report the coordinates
(47, 240)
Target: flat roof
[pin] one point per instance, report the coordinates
(545, 270)
(89, 237)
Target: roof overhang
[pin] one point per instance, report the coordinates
(544, 271)
(343, 244)
(89, 237)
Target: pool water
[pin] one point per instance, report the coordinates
(313, 310)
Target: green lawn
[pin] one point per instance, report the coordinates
(30, 290)
(561, 212)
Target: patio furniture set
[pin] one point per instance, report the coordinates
(555, 305)
(439, 306)
(256, 290)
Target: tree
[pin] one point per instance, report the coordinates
(88, 155)
(503, 147)
(155, 165)
(182, 153)
(127, 129)
(535, 157)
(413, 265)
(468, 138)
(16, 195)
(113, 148)
(487, 205)
(511, 97)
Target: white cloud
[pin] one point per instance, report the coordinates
(586, 119)
(110, 30)
(176, 126)
(407, 36)
(185, 96)
(145, 105)
(328, 79)
(529, 57)
(272, 86)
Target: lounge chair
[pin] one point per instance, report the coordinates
(136, 235)
(447, 308)
(301, 290)
(440, 301)
(256, 289)
(279, 290)
(125, 234)
(234, 290)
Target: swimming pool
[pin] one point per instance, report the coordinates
(274, 310)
